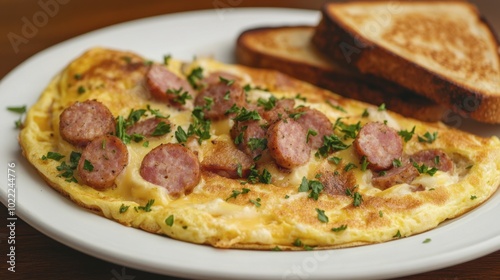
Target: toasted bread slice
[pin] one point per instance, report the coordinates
(289, 50)
(443, 50)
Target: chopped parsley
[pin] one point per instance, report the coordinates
(180, 95)
(428, 137)
(181, 135)
(380, 213)
(424, 169)
(254, 177)
(87, 165)
(309, 133)
(239, 170)
(81, 90)
(349, 130)
(300, 97)
(255, 202)
(472, 197)
(166, 59)
(427, 240)
(200, 126)
(267, 104)
(331, 143)
(53, 155)
(238, 192)
(397, 235)
(365, 114)
(296, 115)
(77, 76)
(322, 217)
(407, 135)
(257, 143)
(147, 207)
(335, 160)
(66, 170)
(397, 162)
(124, 208)
(357, 198)
(336, 107)
(340, 228)
(19, 110)
(161, 128)
(169, 220)
(315, 187)
(276, 248)
(226, 81)
(364, 163)
(381, 107)
(350, 166)
(195, 76)
(243, 114)
(297, 243)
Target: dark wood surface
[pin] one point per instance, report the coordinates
(39, 257)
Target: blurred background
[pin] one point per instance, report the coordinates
(59, 20)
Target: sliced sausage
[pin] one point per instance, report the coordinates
(227, 161)
(380, 144)
(222, 97)
(281, 110)
(286, 141)
(164, 84)
(337, 183)
(146, 127)
(434, 158)
(173, 167)
(244, 133)
(396, 175)
(215, 77)
(83, 121)
(317, 122)
(102, 160)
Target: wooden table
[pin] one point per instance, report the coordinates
(39, 257)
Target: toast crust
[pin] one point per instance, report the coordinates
(340, 41)
(288, 49)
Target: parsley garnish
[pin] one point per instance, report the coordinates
(81, 90)
(226, 81)
(424, 169)
(350, 166)
(297, 243)
(257, 143)
(147, 207)
(276, 249)
(365, 114)
(77, 76)
(255, 177)
(52, 155)
(244, 114)
(427, 240)
(68, 169)
(200, 126)
(238, 192)
(18, 110)
(296, 115)
(169, 220)
(180, 95)
(300, 97)
(407, 135)
(397, 235)
(397, 162)
(195, 75)
(428, 138)
(181, 135)
(166, 59)
(161, 128)
(335, 160)
(340, 228)
(336, 107)
(350, 131)
(309, 133)
(87, 165)
(472, 197)
(364, 163)
(124, 208)
(357, 198)
(239, 170)
(256, 202)
(321, 216)
(311, 185)
(267, 104)
(331, 143)
(381, 107)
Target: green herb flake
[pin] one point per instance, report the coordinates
(226, 81)
(350, 166)
(147, 207)
(145, 144)
(169, 220)
(336, 107)
(255, 202)
(380, 213)
(407, 135)
(180, 95)
(257, 143)
(397, 162)
(309, 133)
(335, 160)
(166, 59)
(161, 128)
(123, 208)
(472, 197)
(365, 114)
(238, 192)
(267, 104)
(276, 249)
(364, 163)
(300, 97)
(322, 217)
(53, 155)
(315, 187)
(427, 240)
(297, 243)
(397, 235)
(424, 169)
(381, 107)
(340, 228)
(195, 76)
(18, 110)
(87, 165)
(428, 137)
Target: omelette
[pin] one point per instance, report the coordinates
(235, 157)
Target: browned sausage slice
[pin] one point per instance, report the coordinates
(396, 175)
(380, 144)
(286, 140)
(163, 84)
(83, 121)
(102, 161)
(221, 97)
(146, 127)
(249, 137)
(227, 161)
(314, 120)
(215, 77)
(173, 167)
(434, 158)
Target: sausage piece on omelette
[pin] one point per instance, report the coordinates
(275, 185)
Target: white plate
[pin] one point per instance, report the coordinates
(184, 35)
